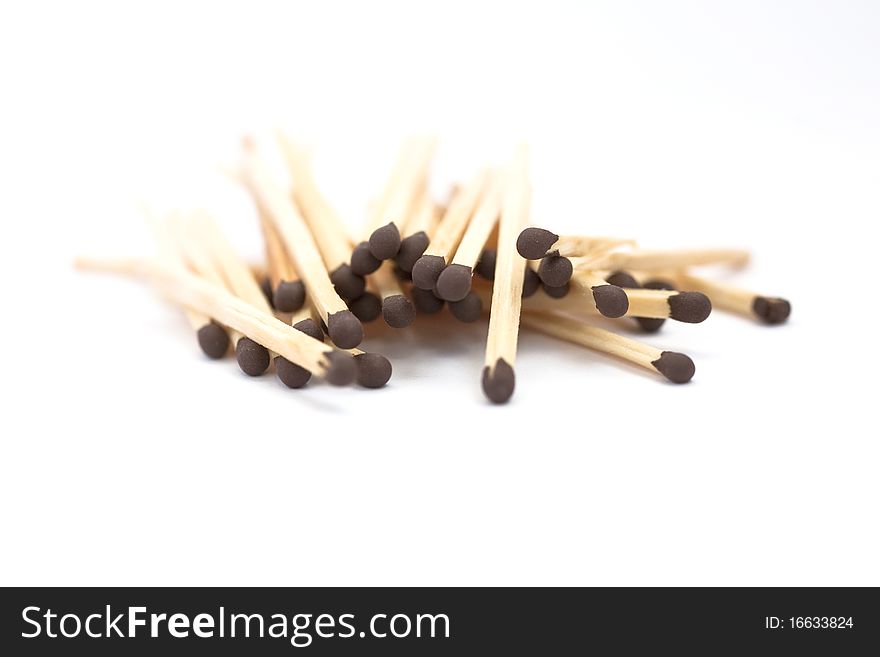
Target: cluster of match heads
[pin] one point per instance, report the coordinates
(476, 254)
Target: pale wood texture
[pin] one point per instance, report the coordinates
(593, 337)
(404, 184)
(294, 233)
(386, 283)
(481, 225)
(647, 260)
(448, 233)
(583, 245)
(278, 263)
(424, 216)
(329, 231)
(509, 266)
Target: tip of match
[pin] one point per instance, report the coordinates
(311, 328)
(454, 282)
(213, 340)
(499, 382)
(289, 296)
(348, 284)
(345, 329)
(676, 367)
(253, 358)
(366, 307)
(373, 370)
(427, 270)
(363, 262)
(411, 249)
(398, 311)
(771, 310)
(611, 300)
(341, 368)
(533, 243)
(291, 374)
(467, 310)
(385, 242)
(689, 307)
(555, 270)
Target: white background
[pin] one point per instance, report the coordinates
(129, 459)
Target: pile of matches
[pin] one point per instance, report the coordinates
(414, 256)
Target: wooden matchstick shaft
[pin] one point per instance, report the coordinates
(651, 260)
(498, 374)
(386, 283)
(771, 310)
(483, 222)
(674, 366)
(329, 232)
(279, 267)
(424, 216)
(407, 178)
(452, 225)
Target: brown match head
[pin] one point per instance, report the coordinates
(653, 324)
(398, 311)
(253, 358)
(689, 307)
(533, 243)
(385, 242)
(291, 374)
(344, 329)
(555, 270)
(213, 340)
(454, 282)
(411, 249)
(366, 307)
(266, 288)
(611, 300)
(498, 383)
(486, 264)
(311, 328)
(531, 282)
(373, 370)
(402, 274)
(427, 270)
(426, 302)
(557, 292)
(676, 367)
(468, 309)
(622, 279)
(771, 310)
(348, 284)
(362, 260)
(289, 296)
(341, 368)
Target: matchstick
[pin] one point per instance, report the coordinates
(366, 307)
(382, 240)
(536, 243)
(344, 328)
(644, 260)
(769, 310)
(498, 373)
(448, 233)
(454, 282)
(326, 227)
(425, 301)
(676, 367)
(286, 292)
(212, 300)
(608, 300)
(213, 339)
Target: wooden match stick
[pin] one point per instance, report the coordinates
(212, 300)
(213, 338)
(536, 243)
(345, 330)
(382, 236)
(675, 366)
(653, 260)
(286, 290)
(769, 310)
(327, 228)
(498, 374)
(454, 281)
(448, 233)
(614, 301)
